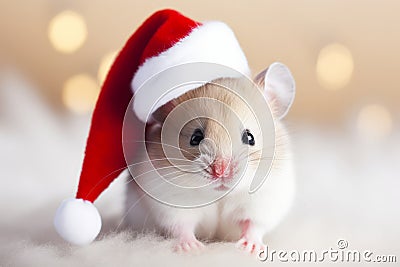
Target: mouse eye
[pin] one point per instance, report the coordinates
(196, 138)
(248, 138)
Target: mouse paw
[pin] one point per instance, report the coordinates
(250, 246)
(188, 245)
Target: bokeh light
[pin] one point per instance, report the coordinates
(67, 31)
(334, 66)
(80, 93)
(374, 122)
(105, 65)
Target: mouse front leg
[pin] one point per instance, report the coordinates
(186, 240)
(251, 236)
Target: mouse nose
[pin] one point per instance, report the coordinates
(222, 167)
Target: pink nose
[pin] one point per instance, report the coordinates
(222, 167)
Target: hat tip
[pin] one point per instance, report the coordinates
(77, 221)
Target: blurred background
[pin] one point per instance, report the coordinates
(344, 55)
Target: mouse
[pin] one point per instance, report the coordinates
(209, 139)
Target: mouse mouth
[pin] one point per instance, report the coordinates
(222, 187)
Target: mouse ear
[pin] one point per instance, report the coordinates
(279, 87)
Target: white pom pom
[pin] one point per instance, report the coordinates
(77, 221)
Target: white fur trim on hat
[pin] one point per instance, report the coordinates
(77, 221)
(211, 42)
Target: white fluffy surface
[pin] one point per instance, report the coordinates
(346, 188)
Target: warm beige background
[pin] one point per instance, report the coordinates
(289, 31)
(347, 186)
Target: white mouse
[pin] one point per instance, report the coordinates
(222, 146)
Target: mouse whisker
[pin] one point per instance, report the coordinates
(163, 158)
(255, 152)
(154, 170)
(160, 143)
(157, 159)
(176, 167)
(191, 180)
(268, 158)
(243, 153)
(171, 180)
(244, 156)
(163, 176)
(172, 146)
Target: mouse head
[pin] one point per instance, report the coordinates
(220, 133)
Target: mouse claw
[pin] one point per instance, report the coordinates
(190, 245)
(241, 243)
(249, 246)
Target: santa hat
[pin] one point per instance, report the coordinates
(164, 40)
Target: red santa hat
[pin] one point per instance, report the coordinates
(164, 40)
